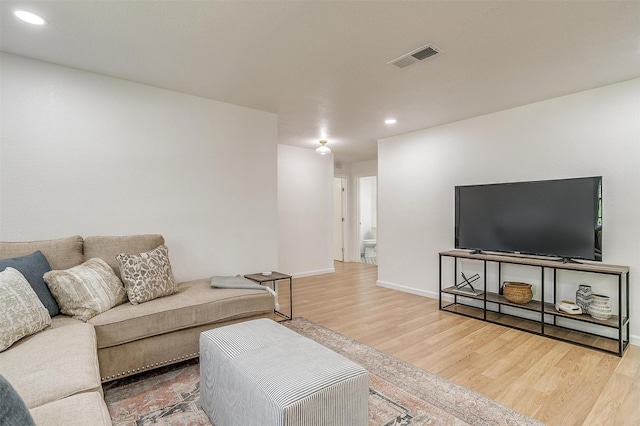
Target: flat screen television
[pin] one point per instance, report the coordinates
(560, 218)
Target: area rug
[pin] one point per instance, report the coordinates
(399, 394)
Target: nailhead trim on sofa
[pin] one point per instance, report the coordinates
(151, 366)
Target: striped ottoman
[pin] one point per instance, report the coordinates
(261, 373)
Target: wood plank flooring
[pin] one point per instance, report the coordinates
(555, 382)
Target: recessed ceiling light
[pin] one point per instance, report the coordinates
(29, 17)
(390, 121)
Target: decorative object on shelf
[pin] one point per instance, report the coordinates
(599, 308)
(519, 293)
(584, 296)
(466, 282)
(568, 307)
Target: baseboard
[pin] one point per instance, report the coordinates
(447, 297)
(406, 289)
(312, 273)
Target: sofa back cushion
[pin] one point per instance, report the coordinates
(62, 253)
(107, 247)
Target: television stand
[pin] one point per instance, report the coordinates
(539, 316)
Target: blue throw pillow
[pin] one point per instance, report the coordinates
(33, 267)
(13, 411)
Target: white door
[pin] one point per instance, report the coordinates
(338, 219)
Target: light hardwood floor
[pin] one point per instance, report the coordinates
(555, 382)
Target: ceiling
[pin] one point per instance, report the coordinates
(322, 65)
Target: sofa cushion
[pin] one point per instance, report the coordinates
(62, 253)
(195, 303)
(21, 312)
(85, 409)
(53, 364)
(86, 290)
(13, 410)
(63, 320)
(107, 247)
(148, 275)
(33, 266)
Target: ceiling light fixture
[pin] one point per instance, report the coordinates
(390, 121)
(29, 17)
(323, 149)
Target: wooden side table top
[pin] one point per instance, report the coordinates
(266, 278)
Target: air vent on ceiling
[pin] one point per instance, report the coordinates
(415, 56)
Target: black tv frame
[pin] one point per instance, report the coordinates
(565, 257)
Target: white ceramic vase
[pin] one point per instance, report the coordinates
(599, 308)
(584, 297)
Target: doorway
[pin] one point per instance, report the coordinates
(368, 219)
(338, 218)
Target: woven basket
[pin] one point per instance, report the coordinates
(519, 293)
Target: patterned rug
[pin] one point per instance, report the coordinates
(400, 394)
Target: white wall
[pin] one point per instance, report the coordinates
(596, 132)
(305, 211)
(86, 154)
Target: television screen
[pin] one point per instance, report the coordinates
(560, 218)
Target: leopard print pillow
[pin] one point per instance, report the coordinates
(147, 276)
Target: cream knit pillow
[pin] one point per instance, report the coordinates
(86, 290)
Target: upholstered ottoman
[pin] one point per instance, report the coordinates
(261, 373)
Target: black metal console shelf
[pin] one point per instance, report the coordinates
(539, 317)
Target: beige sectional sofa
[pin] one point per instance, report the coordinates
(58, 371)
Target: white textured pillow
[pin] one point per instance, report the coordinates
(21, 312)
(86, 290)
(147, 276)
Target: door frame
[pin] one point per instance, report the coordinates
(339, 219)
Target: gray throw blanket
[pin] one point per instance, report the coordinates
(238, 281)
